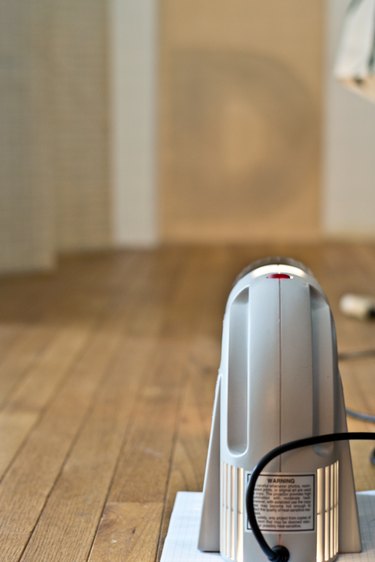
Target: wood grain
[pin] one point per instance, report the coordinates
(82, 485)
(107, 379)
(128, 531)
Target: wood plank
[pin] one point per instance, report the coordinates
(26, 403)
(80, 491)
(358, 381)
(13, 325)
(190, 450)
(106, 424)
(143, 469)
(31, 476)
(144, 465)
(22, 357)
(128, 531)
(31, 335)
(36, 386)
(51, 302)
(28, 482)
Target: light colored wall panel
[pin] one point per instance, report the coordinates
(25, 207)
(134, 67)
(241, 99)
(54, 139)
(79, 120)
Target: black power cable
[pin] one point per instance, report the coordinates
(280, 553)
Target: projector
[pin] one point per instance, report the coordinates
(278, 383)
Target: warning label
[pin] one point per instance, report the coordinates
(284, 503)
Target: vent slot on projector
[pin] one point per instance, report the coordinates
(238, 374)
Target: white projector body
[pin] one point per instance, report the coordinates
(279, 381)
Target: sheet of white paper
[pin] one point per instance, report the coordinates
(181, 542)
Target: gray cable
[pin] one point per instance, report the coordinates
(360, 415)
(347, 356)
(362, 353)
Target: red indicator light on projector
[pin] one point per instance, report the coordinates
(278, 276)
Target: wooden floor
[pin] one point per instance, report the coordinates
(107, 373)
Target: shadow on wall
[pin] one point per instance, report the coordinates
(244, 140)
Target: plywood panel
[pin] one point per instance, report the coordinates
(240, 113)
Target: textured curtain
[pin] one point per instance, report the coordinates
(54, 172)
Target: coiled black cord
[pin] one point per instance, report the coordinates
(280, 553)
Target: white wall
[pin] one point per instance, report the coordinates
(132, 30)
(348, 203)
